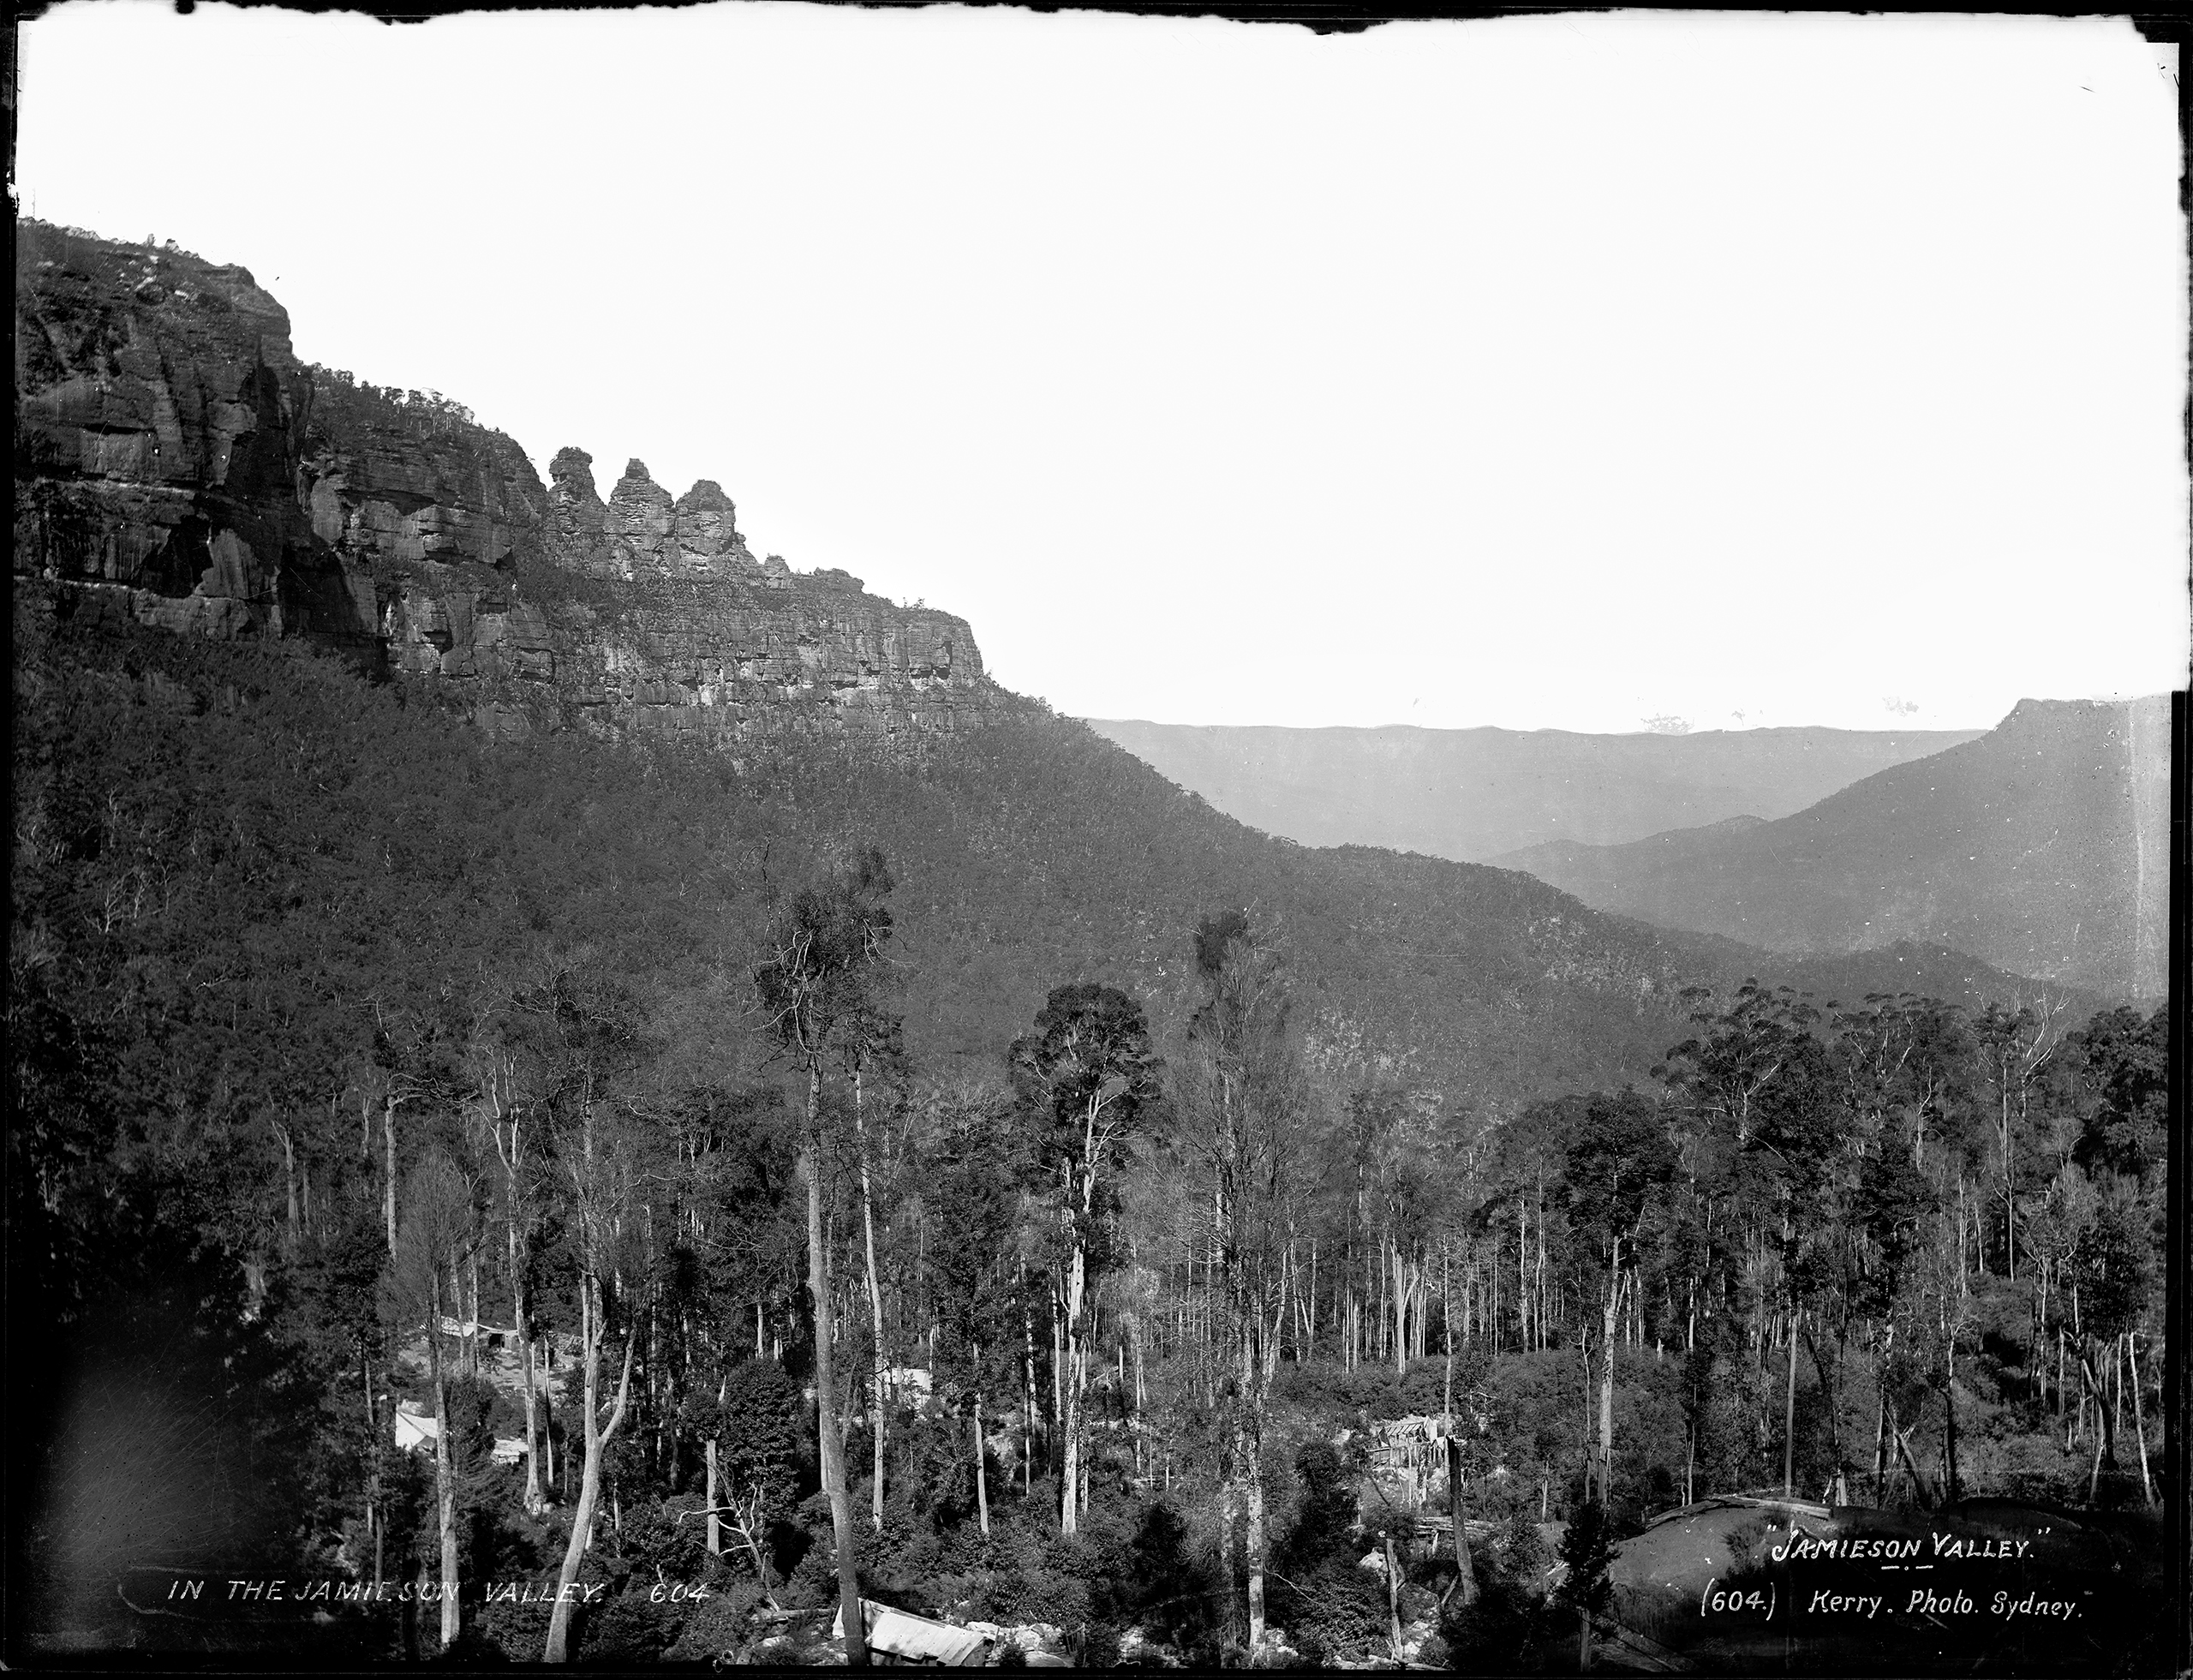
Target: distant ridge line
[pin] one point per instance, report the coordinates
(1472, 795)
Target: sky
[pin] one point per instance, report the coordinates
(1595, 372)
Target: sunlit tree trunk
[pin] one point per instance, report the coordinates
(597, 1435)
(982, 1465)
(1392, 1600)
(1252, 1462)
(1949, 1420)
(593, 1331)
(445, 1470)
(1229, 1544)
(1400, 1310)
(715, 1523)
(535, 1498)
(1071, 1425)
(1789, 1417)
(1028, 1397)
(1465, 1578)
(875, 1306)
(2105, 1433)
(2139, 1420)
(388, 1135)
(830, 1442)
(1606, 1376)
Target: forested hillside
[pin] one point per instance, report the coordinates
(427, 1152)
(2038, 847)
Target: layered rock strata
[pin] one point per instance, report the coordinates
(178, 465)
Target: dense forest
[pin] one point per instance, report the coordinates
(729, 1190)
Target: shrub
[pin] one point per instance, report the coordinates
(1495, 1635)
(1334, 1610)
(719, 1625)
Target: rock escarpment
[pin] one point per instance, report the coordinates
(178, 465)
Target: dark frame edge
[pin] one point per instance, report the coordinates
(2178, 1531)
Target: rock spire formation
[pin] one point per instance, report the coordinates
(176, 466)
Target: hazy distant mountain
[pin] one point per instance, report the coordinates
(2038, 847)
(1472, 794)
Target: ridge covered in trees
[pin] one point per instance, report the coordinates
(610, 1201)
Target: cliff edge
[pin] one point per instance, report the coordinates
(175, 465)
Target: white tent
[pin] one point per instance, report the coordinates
(414, 1432)
(916, 1638)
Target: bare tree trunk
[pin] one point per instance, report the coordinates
(1911, 1464)
(2105, 1431)
(533, 1495)
(1028, 1397)
(716, 1527)
(1606, 1378)
(1400, 1312)
(445, 1471)
(472, 1342)
(1229, 1505)
(875, 1306)
(1465, 1575)
(1393, 1598)
(1465, 1578)
(1058, 1351)
(534, 1498)
(2139, 1420)
(1949, 1425)
(372, 1486)
(981, 1468)
(1790, 1416)
(551, 1483)
(1584, 1442)
(388, 1134)
(1076, 1347)
(830, 1442)
(597, 1435)
(1253, 1537)
(290, 1181)
(1880, 1434)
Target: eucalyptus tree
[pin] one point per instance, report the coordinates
(1751, 1091)
(974, 1165)
(1243, 1100)
(1088, 1080)
(2115, 1277)
(871, 1039)
(1619, 1160)
(439, 1230)
(597, 1036)
(2013, 1048)
(817, 982)
(1893, 1210)
(2122, 1062)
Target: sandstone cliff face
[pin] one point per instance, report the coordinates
(178, 465)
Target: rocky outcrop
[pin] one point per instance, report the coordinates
(639, 533)
(175, 465)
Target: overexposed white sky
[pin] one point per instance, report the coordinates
(1558, 372)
